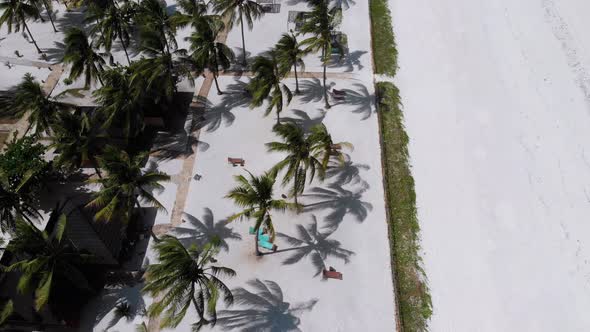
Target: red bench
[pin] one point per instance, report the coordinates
(236, 161)
(331, 273)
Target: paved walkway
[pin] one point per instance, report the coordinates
(26, 62)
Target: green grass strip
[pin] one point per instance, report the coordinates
(415, 306)
(384, 51)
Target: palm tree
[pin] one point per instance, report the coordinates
(255, 195)
(81, 56)
(324, 147)
(320, 22)
(123, 184)
(112, 23)
(15, 202)
(192, 10)
(160, 73)
(78, 139)
(47, 261)
(6, 310)
(290, 55)
(184, 277)
(29, 98)
(154, 22)
(120, 102)
(16, 13)
(267, 83)
(234, 11)
(301, 158)
(207, 53)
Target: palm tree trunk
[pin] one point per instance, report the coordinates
(217, 84)
(256, 242)
(296, 79)
(325, 88)
(278, 117)
(97, 171)
(243, 39)
(295, 189)
(30, 35)
(50, 16)
(200, 311)
(124, 47)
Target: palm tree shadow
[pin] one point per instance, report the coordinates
(211, 117)
(313, 243)
(346, 172)
(263, 309)
(55, 53)
(303, 119)
(344, 4)
(341, 202)
(361, 98)
(72, 18)
(312, 90)
(109, 299)
(169, 146)
(349, 61)
(236, 95)
(205, 230)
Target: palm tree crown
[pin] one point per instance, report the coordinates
(302, 157)
(290, 55)
(255, 195)
(185, 277)
(156, 26)
(124, 182)
(78, 139)
(82, 58)
(325, 148)
(120, 102)
(236, 10)
(207, 53)
(112, 23)
(30, 99)
(320, 23)
(48, 261)
(266, 83)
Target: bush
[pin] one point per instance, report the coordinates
(24, 157)
(413, 298)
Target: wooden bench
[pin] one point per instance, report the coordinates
(339, 92)
(236, 161)
(331, 273)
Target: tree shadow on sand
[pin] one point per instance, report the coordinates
(205, 230)
(119, 303)
(315, 244)
(346, 172)
(349, 61)
(340, 201)
(312, 90)
(56, 53)
(303, 120)
(363, 101)
(236, 95)
(184, 143)
(263, 309)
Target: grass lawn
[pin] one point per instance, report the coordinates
(384, 51)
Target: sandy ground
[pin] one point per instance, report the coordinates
(351, 213)
(496, 96)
